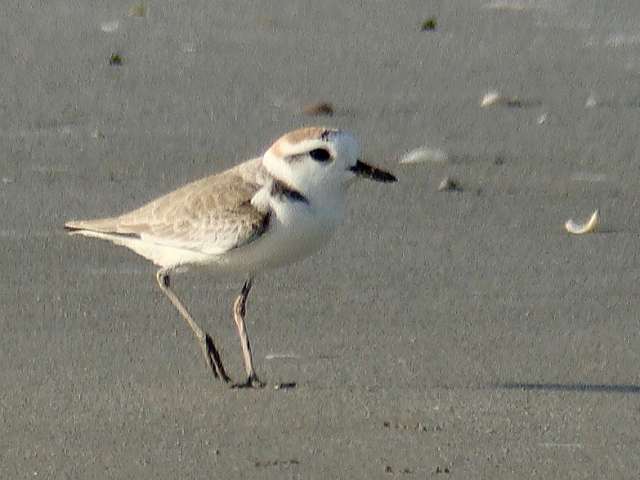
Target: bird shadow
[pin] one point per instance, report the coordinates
(571, 387)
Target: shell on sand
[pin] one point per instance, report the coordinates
(492, 97)
(424, 154)
(581, 228)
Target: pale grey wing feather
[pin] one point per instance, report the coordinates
(212, 215)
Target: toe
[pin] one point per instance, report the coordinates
(251, 382)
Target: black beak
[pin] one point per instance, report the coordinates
(365, 170)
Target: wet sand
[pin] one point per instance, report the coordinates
(441, 334)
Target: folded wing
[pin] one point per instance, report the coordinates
(212, 215)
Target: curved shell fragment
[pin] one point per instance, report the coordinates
(589, 227)
(492, 97)
(425, 154)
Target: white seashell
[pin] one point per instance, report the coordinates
(591, 102)
(492, 97)
(542, 118)
(589, 227)
(425, 154)
(109, 27)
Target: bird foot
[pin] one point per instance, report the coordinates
(251, 382)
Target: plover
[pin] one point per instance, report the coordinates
(264, 213)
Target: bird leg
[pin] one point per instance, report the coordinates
(211, 355)
(239, 311)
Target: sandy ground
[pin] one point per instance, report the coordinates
(440, 335)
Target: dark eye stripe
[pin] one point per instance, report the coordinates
(320, 155)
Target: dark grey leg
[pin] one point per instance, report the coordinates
(211, 355)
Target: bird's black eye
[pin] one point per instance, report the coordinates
(320, 155)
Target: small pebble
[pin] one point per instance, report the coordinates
(285, 386)
(449, 185)
(137, 10)
(429, 24)
(318, 109)
(115, 59)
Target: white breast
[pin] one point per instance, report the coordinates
(296, 230)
